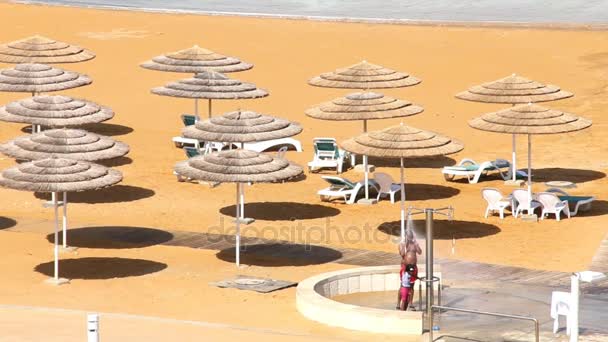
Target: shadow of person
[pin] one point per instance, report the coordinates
(282, 211)
(281, 254)
(444, 229)
(563, 174)
(114, 237)
(120, 161)
(107, 129)
(6, 222)
(426, 162)
(113, 194)
(101, 268)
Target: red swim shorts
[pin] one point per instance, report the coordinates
(405, 294)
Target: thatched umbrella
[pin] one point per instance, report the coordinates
(401, 142)
(54, 111)
(210, 85)
(58, 175)
(39, 49)
(238, 166)
(529, 119)
(364, 106)
(514, 90)
(242, 127)
(196, 60)
(64, 143)
(364, 76)
(39, 78)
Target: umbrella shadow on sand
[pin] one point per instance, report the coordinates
(564, 174)
(118, 237)
(444, 229)
(6, 222)
(427, 162)
(113, 194)
(282, 211)
(424, 192)
(281, 254)
(101, 268)
(114, 162)
(108, 129)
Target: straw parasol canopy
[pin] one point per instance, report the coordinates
(58, 175)
(529, 119)
(238, 166)
(242, 127)
(210, 85)
(514, 89)
(54, 111)
(363, 106)
(65, 143)
(38, 78)
(196, 60)
(39, 49)
(364, 75)
(402, 142)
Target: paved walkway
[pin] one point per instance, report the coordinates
(273, 252)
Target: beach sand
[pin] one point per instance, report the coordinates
(286, 53)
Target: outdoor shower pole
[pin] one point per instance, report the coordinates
(530, 212)
(65, 220)
(429, 269)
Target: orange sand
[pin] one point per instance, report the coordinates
(286, 53)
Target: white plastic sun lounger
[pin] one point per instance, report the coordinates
(343, 188)
(576, 203)
(473, 171)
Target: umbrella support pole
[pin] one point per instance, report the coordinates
(195, 109)
(240, 216)
(531, 215)
(514, 181)
(238, 227)
(366, 200)
(210, 112)
(65, 247)
(55, 280)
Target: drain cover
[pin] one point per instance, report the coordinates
(249, 281)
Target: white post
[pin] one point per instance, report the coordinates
(242, 201)
(574, 301)
(56, 251)
(514, 164)
(65, 220)
(92, 328)
(238, 229)
(402, 204)
(366, 178)
(530, 173)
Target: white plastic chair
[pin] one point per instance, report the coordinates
(551, 204)
(387, 186)
(560, 306)
(496, 201)
(523, 202)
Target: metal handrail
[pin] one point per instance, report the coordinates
(524, 318)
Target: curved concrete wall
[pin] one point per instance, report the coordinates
(313, 300)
